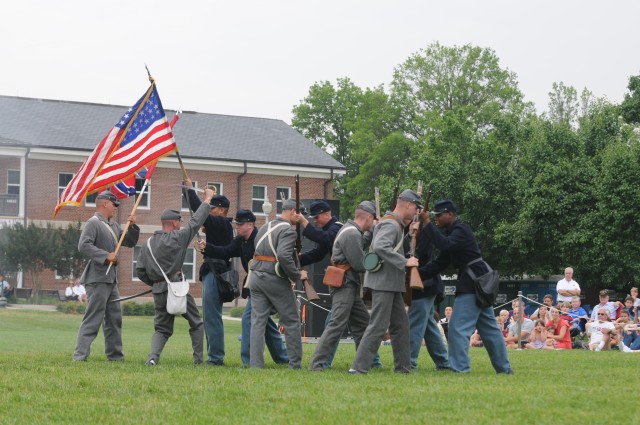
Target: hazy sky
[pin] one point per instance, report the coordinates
(259, 58)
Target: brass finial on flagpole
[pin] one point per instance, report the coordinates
(151, 80)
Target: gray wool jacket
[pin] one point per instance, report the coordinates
(169, 248)
(386, 236)
(284, 240)
(348, 248)
(96, 242)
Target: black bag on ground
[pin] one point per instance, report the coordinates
(228, 285)
(486, 286)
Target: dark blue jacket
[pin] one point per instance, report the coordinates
(323, 238)
(432, 285)
(237, 248)
(218, 231)
(458, 247)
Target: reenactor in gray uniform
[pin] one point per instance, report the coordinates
(275, 248)
(98, 242)
(169, 247)
(347, 306)
(387, 286)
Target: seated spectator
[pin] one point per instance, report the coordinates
(6, 290)
(564, 307)
(503, 322)
(579, 317)
(512, 335)
(515, 304)
(69, 294)
(548, 301)
(543, 313)
(628, 306)
(612, 307)
(79, 290)
(559, 336)
(631, 339)
(475, 340)
(636, 304)
(622, 321)
(600, 330)
(446, 319)
(538, 336)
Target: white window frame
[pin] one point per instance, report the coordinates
(278, 200)
(61, 188)
(261, 200)
(218, 185)
(147, 192)
(192, 265)
(134, 262)
(88, 203)
(9, 184)
(182, 197)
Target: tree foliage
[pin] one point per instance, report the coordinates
(32, 249)
(542, 191)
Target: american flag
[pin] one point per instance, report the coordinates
(127, 187)
(140, 137)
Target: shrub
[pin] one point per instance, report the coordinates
(133, 308)
(236, 312)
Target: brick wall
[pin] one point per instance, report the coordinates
(42, 195)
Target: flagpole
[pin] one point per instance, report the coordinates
(126, 228)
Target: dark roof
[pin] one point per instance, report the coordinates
(79, 125)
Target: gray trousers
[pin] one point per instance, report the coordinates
(101, 313)
(163, 325)
(387, 312)
(347, 307)
(268, 292)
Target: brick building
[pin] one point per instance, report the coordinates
(250, 160)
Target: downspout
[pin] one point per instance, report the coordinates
(23, 205)
(23, 185)
(326, 183)
(239, 183)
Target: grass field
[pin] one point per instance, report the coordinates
(39, 384)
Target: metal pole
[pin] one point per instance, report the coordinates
(520, 316)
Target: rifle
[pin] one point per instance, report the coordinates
(377, 192)
(415, 281)
(311, 293)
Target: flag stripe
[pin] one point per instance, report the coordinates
(141, 137)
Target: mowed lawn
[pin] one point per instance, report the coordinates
(39, 384)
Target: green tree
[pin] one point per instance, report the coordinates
(563, 104)
(631, 104)
(32, 249)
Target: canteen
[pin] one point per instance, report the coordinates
(372, 262)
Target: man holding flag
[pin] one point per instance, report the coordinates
(98, 243)
(138, 140)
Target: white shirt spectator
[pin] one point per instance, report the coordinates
(567, 284)
(596, 331)
(79, 290)
(69, 292)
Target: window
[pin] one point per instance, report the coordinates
(134, 262)
(63, 181)
(259, 195)
(185, 205)
(188, 267)
(280, 191)
(218, 187)
(90, 200)
(144, 202)
(13, 182)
